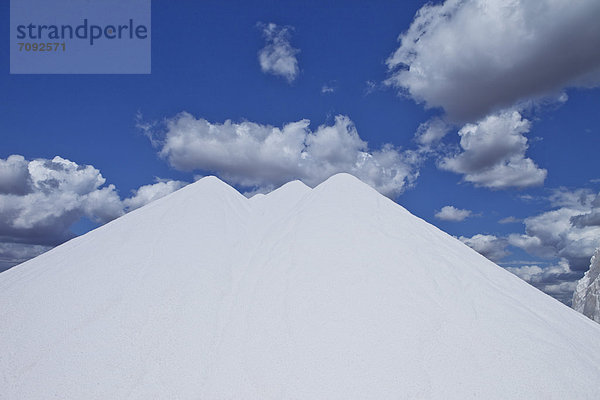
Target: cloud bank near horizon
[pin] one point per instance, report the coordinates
(41, 199)
(557, 234)
(258, 156)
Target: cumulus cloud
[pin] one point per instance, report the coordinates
(52, 196)
(41, 199)
(552, 233)
(148, 193)
(489, 246)
(556, 280)
(474, 57)
(257, 156)
(451, 213)
(493, 153)
(278, 57)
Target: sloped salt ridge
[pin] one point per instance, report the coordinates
(332, 292)
(286, 195)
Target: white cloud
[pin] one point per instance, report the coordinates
(526, 272)
(326, 89)
(474, 57)
(58, 193)
(578, 199)
(451, 213)
(371, 86)
(148, 193)
(41, 199)
(278, 57)
(527, 197)
(256, 156)
(493, 153)
(531, 244)
(489, 246)
(509, 220)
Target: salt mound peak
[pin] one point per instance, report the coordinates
(292, 189)
(334, 292)
(341, 182)
(211, 184)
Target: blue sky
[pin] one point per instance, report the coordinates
(537, 93)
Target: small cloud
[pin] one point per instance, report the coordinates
(146, 128)
(526, 272)
(371, 86)
(451, 213)
(489, 246)
(431, 131)
(522, 262)
(509, 220)
(563, 97)
(148, 193)
(493, 153)
(278, 57)
(327, 89)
